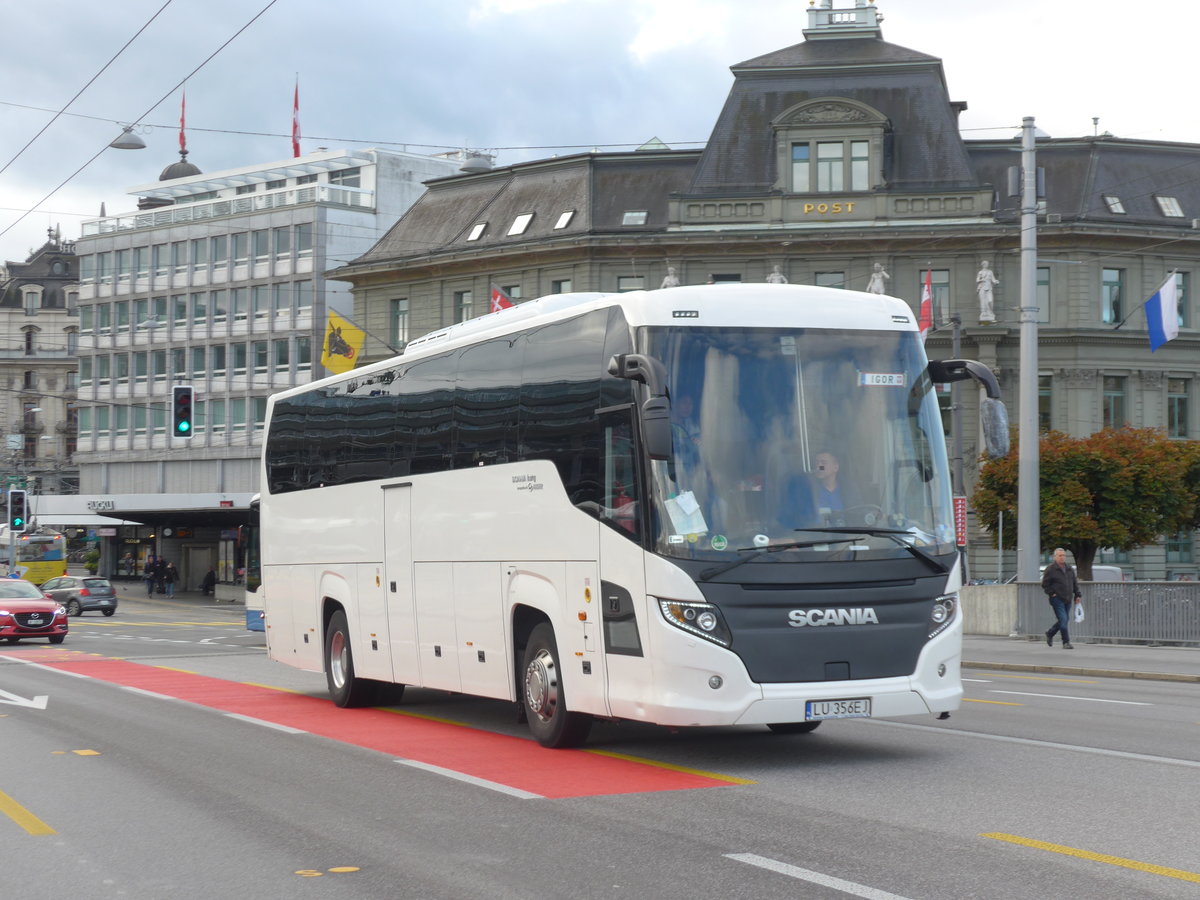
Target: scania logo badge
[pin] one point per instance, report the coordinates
(802, 618)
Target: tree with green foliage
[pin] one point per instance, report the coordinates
(1120, 488)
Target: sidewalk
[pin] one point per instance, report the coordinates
(135, 592)
(1097, 660)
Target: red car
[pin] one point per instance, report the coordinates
(25, 612)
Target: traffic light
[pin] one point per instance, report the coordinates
(18, 515)
(181, 410)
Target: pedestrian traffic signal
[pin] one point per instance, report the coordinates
(18, 515)
(181, 410)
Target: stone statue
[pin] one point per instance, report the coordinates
(984, 282)
(671, 279)
(777, 277)
(878, 282)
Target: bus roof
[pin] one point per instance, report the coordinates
(713, 306)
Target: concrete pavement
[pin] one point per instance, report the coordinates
(1160, 663)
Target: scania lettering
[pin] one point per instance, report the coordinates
(802, 617)
(607, 505)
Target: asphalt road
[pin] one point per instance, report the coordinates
(1043, 785)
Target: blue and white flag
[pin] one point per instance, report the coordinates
(1162, 313)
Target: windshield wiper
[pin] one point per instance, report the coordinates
(714, 571)
(892, 533)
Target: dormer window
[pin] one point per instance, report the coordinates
(830, 145)
(634, 217)
(1169, 206)
(520, 223)
(476, 231)
(1114, 204)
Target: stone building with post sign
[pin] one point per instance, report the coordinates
(839, 161)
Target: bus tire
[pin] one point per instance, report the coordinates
(345, 688)
(794, 727)
(550, 721)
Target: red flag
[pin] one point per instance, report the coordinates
(182, 119)
(500, 300)
(296, 120)
(925, 322)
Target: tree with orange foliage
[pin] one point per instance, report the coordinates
(1120, 488)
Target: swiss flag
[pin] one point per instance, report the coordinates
(500, 300)
(925, 322)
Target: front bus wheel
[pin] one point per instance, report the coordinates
(550, 721)
(345, 688)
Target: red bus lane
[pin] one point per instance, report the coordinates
(517, 763)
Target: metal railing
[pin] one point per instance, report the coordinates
(1149, 612)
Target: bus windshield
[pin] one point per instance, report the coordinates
(779, 433)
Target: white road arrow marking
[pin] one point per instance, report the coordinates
(38, 702)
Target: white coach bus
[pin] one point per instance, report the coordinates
(619, 506)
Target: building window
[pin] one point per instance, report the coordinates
(1114, 401)
(275, 185)
(239, 359)
(1112, 292)
(199, 254)
(1169, 206)
(1043, 294)
(179, 263)
(400, 323)
(241, 248)
(561, 286)
(283, 243)
(199, 363)
(1180, 547)
(220, 251)
(1177, 407)
(347, 177)
(513, 291)
(631, 283)
(158, 260)
(179, 310)
(477, 231)
(462, 306)
(841, 165)
(281, 299)
(141, 262)
(220, 307)
(246, 188)
(303, 234)
(122, 264)
(304, 297)
(238, 304)
(725, 278)
(520, 223)
(261, 301)
(634, 217)
(1114, 204)
(939, 280)
(1182, 284)
(199, 309)
(306, 179)
(1045, 396)
(282, 356)
(303, 362)
(216, 416)
(218, 360)
(830, 279)
(262, 245)
(30, 342)
(29, 383)
(261, 358)
(564, 219)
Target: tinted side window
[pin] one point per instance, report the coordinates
(427, 391)
(559, 397)
(487, 402)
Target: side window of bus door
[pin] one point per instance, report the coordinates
(621, 494)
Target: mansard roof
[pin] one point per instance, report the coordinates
(1079, 172)
(908, 88)
(598, 188)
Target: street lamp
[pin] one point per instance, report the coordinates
(127, 140)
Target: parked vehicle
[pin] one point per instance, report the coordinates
(80, 593)
(25, 612)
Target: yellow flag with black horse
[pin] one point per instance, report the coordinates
(343, 344)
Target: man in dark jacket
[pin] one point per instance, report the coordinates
(1062, 587)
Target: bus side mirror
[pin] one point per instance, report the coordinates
(993, 416)
(656, 426)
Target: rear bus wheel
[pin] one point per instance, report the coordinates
(345, 688)
(550, 721)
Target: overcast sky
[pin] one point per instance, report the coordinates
(520, 78)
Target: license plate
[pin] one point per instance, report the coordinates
(857, 708)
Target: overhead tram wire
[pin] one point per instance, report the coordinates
(153, 106)
(91, 80)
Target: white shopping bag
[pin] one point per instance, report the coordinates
(1078, 612)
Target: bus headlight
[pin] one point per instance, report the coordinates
(945, 608)
(701, 619)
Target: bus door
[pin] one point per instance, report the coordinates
(622, 595)
(398, 583)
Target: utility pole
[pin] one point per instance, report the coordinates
(1028, 497)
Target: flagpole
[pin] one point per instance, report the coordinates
(364, 330)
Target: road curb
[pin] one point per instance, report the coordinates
(1093, 673)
